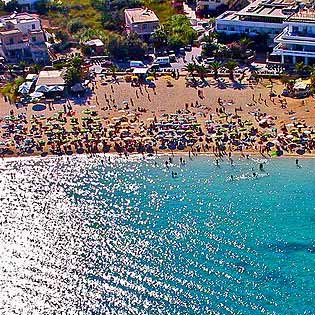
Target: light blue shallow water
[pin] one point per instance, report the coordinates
(81, 236)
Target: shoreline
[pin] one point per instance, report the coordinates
(160, 154)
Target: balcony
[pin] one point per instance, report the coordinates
(17, 46)
(295, 37)
(282, 49)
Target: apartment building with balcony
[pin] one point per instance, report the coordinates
(22, 38)
(297, 40)
(141, 21)
(260, 16)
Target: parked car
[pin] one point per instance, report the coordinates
(162, 61)
(188, 48)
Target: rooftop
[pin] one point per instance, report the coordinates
(306, 15)
(141, 15)
(269, 8)
(18, 18)
(10, 32)
(50, 77)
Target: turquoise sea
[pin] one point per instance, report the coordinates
(83, 235)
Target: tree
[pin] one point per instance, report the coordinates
(73, 73)
(75, 26)
(159, 37)
(231, 65)
(10, 68)
(190, 68)
(179, 31)
(136, 47)
(215, 67)
(76, 61)
(22, 66)
(300, 67)
(72, 76)
(202, 71)
(246, 43)
(117, 47)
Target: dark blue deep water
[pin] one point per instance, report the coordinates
(85, 236)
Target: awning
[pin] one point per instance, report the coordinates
(42, 88)
(25, 87)
(56, 88)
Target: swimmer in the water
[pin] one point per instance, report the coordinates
(297, 163)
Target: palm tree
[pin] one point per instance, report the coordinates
(312, 70)
(113, 70)
(202, 71)
(215, 67)
(10, 68)
(231, 65)
(245, 43)
(22, 66)
(191, 67)
(300, 67)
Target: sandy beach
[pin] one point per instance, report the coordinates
(124, 116)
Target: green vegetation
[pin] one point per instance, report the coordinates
(74, 72)
(11, 88)
(176, 32)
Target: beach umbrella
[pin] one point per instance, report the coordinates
(167, 77)
(150, 119)
(56, 88)
(24, 88)
(150, 78)
(86, 111)
(42, 88)
(134, 77)
(36, 95)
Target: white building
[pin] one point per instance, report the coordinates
(23, 22)
(297, 40)
(260, 16)
(141, 21)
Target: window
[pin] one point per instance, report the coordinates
(33, 26)
(11, 42)
(33, 38)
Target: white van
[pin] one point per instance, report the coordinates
(137, 64)
(162, 60)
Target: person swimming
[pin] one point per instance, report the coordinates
(297, 163)
(261, 167)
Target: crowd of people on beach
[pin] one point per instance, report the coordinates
(126, 128)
